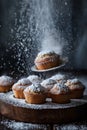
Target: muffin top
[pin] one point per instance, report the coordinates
(58, 77)
(34, 78)
(6, 80)
(46, 55)
(74, 84)
(59, 88)
(73, 81)
(19, 87)
(48, 82)
(24, 81)
(35, 88)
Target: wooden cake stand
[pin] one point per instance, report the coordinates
(49, 112)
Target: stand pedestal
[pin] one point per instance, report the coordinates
(49, 112)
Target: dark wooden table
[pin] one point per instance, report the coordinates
(6, 124)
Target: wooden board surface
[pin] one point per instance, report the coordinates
(49, 112)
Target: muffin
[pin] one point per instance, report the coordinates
(19, 87)
(48, 84)
(58, 77)
(24, 81)
(60, 93)
(46, 60)
(76, 88)
(35, 94)
(34, 79)
(6, 83)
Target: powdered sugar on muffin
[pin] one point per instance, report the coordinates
(60, 88)
(6, 80)
(35, 88)
(74, 84)
(20, 87)
(34, 78)
(73, 81)
(24, 81)
(48, 83)
(46, 52)
(58, 77)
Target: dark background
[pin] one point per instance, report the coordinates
(18, 46)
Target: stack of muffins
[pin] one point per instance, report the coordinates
(35, 90)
